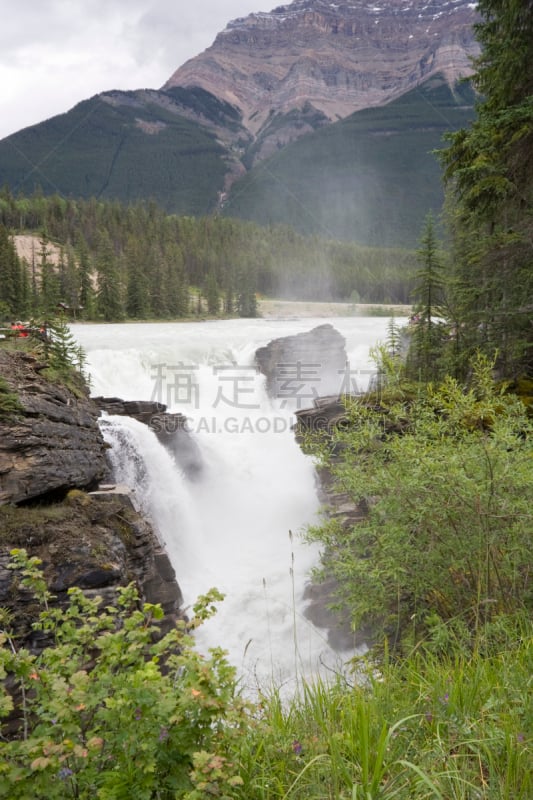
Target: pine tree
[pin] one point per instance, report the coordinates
(109, 297)
(86, 288)
(211, 293)
(428, 332)
(11, 280)
(50, 289)
(489, 170)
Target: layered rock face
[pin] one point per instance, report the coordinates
(170, 429)
(97, 542)
(50, 448)
(339, 57)
(54, 443)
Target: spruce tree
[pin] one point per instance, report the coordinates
(109, 296)
(489, 170)
(428, 332)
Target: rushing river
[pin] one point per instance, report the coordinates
(237, 522)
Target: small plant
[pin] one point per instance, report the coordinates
(10, 405)
(65, 358)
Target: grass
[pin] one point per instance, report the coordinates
(427, 728)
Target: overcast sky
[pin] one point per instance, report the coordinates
(54, 53)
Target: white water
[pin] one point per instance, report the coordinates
(231, 526)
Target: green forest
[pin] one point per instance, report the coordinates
(136, 262)
(438, 457)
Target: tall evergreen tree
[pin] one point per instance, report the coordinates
(211, 293)
(489, 169)
(86, 287)
(11, 281)
(428, 333)
(138, 299)
(50, 286)
(109, 296)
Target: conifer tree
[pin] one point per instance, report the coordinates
(50, 287)
(212, 293)
(11, 280)
(489, 170)
(109, 297)
(428, 332)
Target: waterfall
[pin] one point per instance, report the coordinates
(238, 524)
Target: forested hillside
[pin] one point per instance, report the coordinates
(119, 261)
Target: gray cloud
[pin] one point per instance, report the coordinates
(55, 53)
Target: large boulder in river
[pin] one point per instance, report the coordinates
(52, 442)
(305, 366)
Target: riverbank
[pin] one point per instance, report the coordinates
(283, 309)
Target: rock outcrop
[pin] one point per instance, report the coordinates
(51, 449)
(170, 428)
(95, 542)
(54, 443)
(337, 57)
(304, 367)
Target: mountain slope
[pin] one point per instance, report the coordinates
(129, 146)
(370, 178)
(267, 98)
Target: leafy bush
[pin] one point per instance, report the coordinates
(108, 712)
(445, 548)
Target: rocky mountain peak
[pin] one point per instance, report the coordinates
(338, 57)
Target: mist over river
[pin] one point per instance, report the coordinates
(229, 524)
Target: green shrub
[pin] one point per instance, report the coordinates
(108, 712)
(445, 546)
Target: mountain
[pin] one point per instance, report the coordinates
(172, 147)
(307, 99)
(371, 177)
(330, 58)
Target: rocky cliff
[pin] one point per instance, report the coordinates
(335, 57)
(51, 451)
(54, 443)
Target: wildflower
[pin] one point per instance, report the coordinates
(163, 734)
(520, 737)
(138, 713)
(429, 717)
(65, 773)
(297, 747)
(196, 693)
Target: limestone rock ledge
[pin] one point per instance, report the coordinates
(54, 443)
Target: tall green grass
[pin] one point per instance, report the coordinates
(458, 728)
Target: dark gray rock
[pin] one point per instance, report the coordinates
(170, 429)
(54, 443)
(301, 368)
(97, 542)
